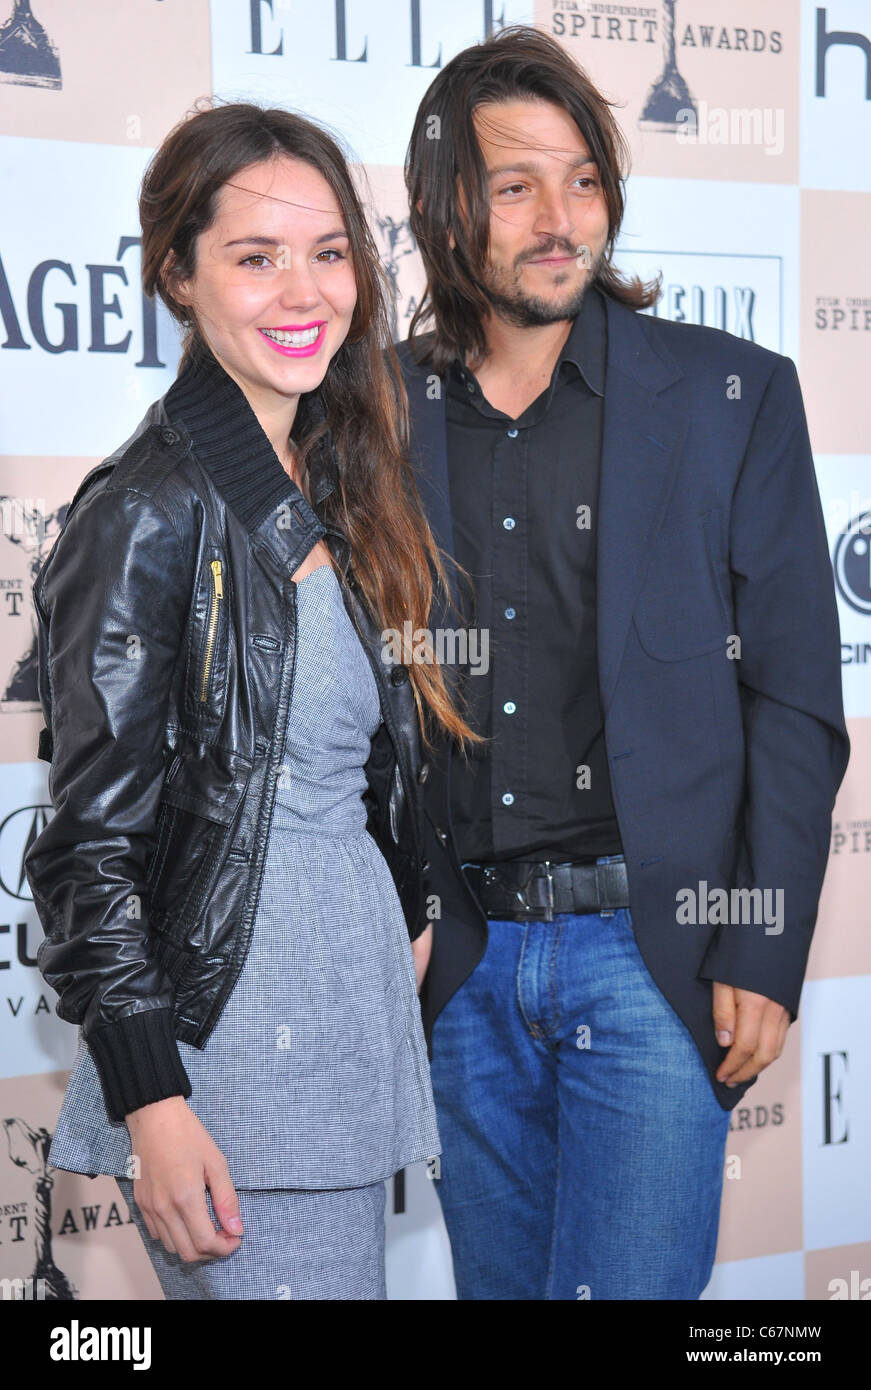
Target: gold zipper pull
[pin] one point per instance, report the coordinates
(218, 588)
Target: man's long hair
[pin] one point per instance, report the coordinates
(518, 63)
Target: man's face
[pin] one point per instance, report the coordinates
(548, 216)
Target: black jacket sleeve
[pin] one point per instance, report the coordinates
(109, 635)
(789, 671)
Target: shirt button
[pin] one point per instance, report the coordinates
(509, 707)
(510, 613)
(509, 523)
(512, 434)
(470, 386)
(507, 799)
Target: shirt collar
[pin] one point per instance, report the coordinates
(585, 345)
(230, 442)
(584, 348)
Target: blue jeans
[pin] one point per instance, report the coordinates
(574, 1165)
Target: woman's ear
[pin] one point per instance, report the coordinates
(177, 288)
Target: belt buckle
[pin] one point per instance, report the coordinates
(491, 875)
(548, 878)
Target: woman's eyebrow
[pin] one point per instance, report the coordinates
(271, 240)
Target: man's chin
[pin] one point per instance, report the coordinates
(534, 311)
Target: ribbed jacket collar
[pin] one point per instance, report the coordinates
(230, 443)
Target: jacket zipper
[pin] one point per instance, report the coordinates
(217, 595)
(242, 942)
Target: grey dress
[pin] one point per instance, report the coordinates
(316, 1073)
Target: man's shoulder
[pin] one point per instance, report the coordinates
(413, 354)
(697, 347)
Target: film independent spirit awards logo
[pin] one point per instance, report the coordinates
(670, 106)
(28, 1148)
(28, 57)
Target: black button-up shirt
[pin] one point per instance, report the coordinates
(519, 490)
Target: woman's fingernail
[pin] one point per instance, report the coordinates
(724, 1037)
(235, 1224)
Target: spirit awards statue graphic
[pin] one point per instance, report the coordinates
(27, 55)
(28, 1148)
(24, 523)
(669, 94)
(397, 242)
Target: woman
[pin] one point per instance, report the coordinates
(225, 734)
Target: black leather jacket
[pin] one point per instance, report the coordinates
(166, 634)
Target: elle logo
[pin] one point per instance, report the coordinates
(259, 8)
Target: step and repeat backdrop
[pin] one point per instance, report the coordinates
(758, 216)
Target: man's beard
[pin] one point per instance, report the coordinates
(530, 310)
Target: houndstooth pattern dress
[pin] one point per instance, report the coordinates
(316, 1073)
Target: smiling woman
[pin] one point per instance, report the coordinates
(254, 237)
(273, 289)
(251, 1064)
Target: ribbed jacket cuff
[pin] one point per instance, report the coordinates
(138, 1061)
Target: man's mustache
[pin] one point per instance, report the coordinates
(560, 247)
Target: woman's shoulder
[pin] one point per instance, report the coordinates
(147, 463)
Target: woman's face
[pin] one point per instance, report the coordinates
(274, 288)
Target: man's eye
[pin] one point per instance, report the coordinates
(513, 188)
(588, 181)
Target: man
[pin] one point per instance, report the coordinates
(635, 507)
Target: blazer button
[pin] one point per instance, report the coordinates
(424, 772)
(424, 868)
(442, 835)
(399, 675)
(168, 436)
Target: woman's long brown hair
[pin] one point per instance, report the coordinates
(395, 559)
(518, 62)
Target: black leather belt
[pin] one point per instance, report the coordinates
(520, 890)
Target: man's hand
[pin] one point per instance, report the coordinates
(755, 1026)
(421, 949)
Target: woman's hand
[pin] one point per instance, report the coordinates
(178, 1160)
(422, 950)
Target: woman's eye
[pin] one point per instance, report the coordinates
(588, 182)
(256, 256)
(513, 188)
(330, 252)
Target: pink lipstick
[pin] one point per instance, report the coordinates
(295, 339)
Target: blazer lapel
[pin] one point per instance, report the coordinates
(642, 443)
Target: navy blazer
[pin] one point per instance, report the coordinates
(724, 758)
